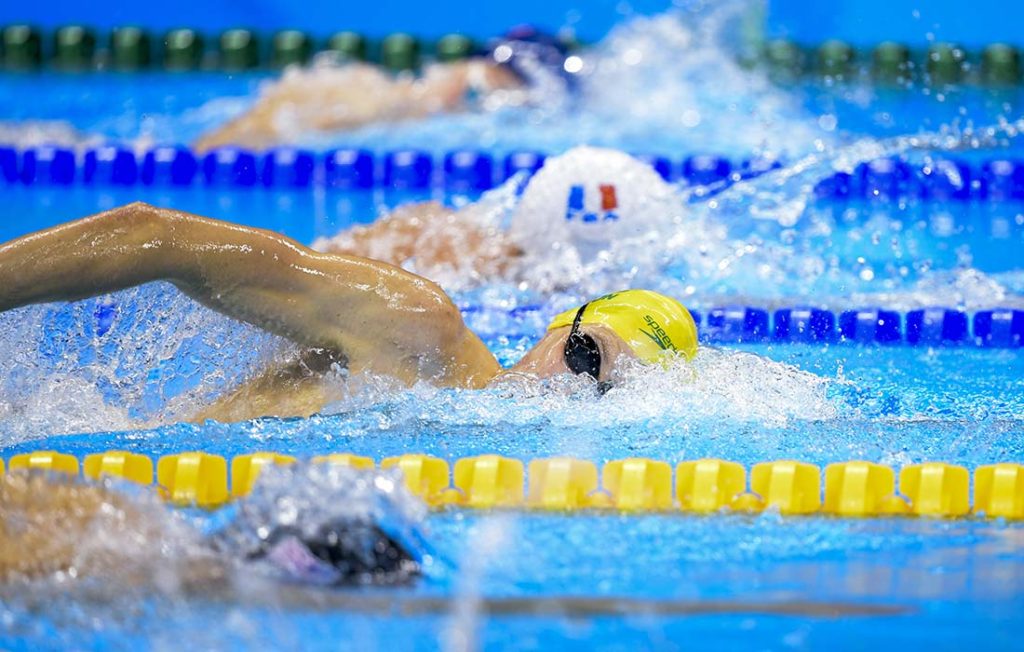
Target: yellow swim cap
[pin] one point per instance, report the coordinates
(649, 322)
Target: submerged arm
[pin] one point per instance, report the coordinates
(347, 97)
(379, 317)
(318, 100)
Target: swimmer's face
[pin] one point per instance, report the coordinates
(547, 358)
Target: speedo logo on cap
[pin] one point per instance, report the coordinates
(658, 334)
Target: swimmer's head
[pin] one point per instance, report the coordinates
(651, 324)
(591, 338)
(593, 199)
(528, 52)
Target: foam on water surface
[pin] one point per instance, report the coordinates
(671, 79)
(123, 371)
(151, 356)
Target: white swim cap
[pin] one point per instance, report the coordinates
(593, 199)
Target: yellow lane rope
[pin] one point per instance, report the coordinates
(857, 488)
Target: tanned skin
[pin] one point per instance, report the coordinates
(350, 96)
(366, 315)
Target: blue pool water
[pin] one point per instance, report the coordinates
(99, 375)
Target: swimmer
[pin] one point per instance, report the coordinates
(579, 205)
(334, 98)
(64, 529)
(341, 527)
(341, 310)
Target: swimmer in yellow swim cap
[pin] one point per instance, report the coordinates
(591, 338)
(341, 310)
(651, 324)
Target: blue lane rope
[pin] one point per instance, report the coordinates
(469, 171)
(930, 327)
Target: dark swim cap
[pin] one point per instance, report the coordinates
(527, 52)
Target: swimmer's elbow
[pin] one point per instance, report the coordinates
(148, 229)
(444, 320)
(137, 215)
(466, 360)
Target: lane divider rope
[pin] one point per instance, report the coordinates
(997, 328)
(473, 171)
(706, 486)
(933, 326)
(79, 48)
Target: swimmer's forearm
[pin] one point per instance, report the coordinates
(105, 253)
(380, 317)
(249, 274)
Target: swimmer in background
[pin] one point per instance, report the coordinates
(579, 205)
(343, 528)
(56, 532)
(335, 98)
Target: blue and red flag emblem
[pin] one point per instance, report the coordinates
(575, 205)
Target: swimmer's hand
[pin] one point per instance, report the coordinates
(377, 317)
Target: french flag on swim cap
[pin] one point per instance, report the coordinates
(575, 205)
(609, 202)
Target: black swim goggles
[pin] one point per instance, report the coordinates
(582, 353)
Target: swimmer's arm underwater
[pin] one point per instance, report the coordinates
(335, 98)
(377, 317)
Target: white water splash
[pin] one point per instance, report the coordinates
(65, 368)
(675, 78)
(32, 133)
(668, 83)
(966, 289)
(748, 388)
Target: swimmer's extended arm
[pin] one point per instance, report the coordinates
(379, 317)
(329, 99)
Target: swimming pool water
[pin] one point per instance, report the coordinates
(73, 381)
(667, 84)
(895, 405)
(917, 571)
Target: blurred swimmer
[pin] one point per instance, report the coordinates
(342, 310)
(340, 527)
(55, 530)
(335, 98)
(584, 203)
